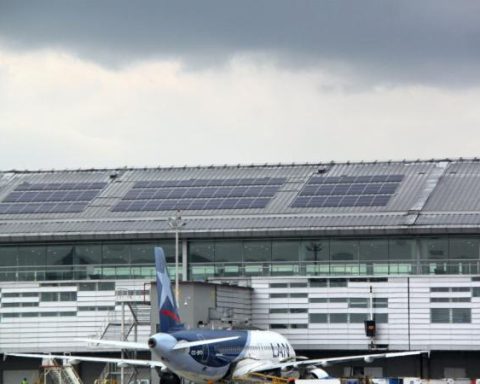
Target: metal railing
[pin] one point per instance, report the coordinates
(121, 326)
(81, 272)
(61, 374)
(202, 271)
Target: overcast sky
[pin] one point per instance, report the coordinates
(147, 83)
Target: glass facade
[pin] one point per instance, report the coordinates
(335, 256)
(85, 261)
(244, 257)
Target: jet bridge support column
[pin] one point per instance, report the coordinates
(424, 366)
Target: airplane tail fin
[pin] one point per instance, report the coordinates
(168, 312)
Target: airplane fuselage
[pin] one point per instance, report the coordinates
(213, 362)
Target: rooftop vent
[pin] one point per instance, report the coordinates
(322, 170)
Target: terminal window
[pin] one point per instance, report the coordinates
(450, 315)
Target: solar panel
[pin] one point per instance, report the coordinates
(192, 192)
(244, 203)
(333, 201)
(347, 191)
(144, 194)
(40, 208)
(184, 183)
(372, 189)
(357, 189)
(137, 205)
(210, 182)
(155, 194)
(183, 204)
(380, 200)
(170, 183)
(23, 208)
(123, 205)
(222, 192)
(12, 197)
(260, 203)
(199, 183)
(325, 190)
(50, 197)
(340, 189)
(268, 191)
(388, 189)
(348, 201)
(76, 207)
(151, 205)
(363, 179)
(239, 191)
(165, 205)
(212, 204)
(317, 201)
(200, 194)
(252, 191)
(309, 190)
(142, 184)
(207, 192)
(177, 193)
(396, 178)
(198, 204)
(364, 200)
(15, 208)
(231, 182)
(228, 204)
(301, 202)
(379, 178)
(276, 181)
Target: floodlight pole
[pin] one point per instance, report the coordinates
(176, 223)
(122, 368)
(176, 266)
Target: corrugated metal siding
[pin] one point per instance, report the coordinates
(61, 333)
(459, 190)
(450, 219)
(455, 193)
(238, 300)
(409, 325)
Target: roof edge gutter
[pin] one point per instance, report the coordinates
(251, 233)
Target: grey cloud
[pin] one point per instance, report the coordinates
(429, 41)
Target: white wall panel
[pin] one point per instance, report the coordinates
(59, 333)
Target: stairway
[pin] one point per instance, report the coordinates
(135, 312)
(60, 374)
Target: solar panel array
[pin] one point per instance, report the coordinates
(347, 191)
(50, 197)
(200, 194)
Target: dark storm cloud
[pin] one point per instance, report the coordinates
(430, 41)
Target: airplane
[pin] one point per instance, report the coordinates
(208, 356)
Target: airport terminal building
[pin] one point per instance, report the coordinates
(314, 249)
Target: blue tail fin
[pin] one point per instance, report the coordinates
(169, 318)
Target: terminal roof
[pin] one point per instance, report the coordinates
(394, 197)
